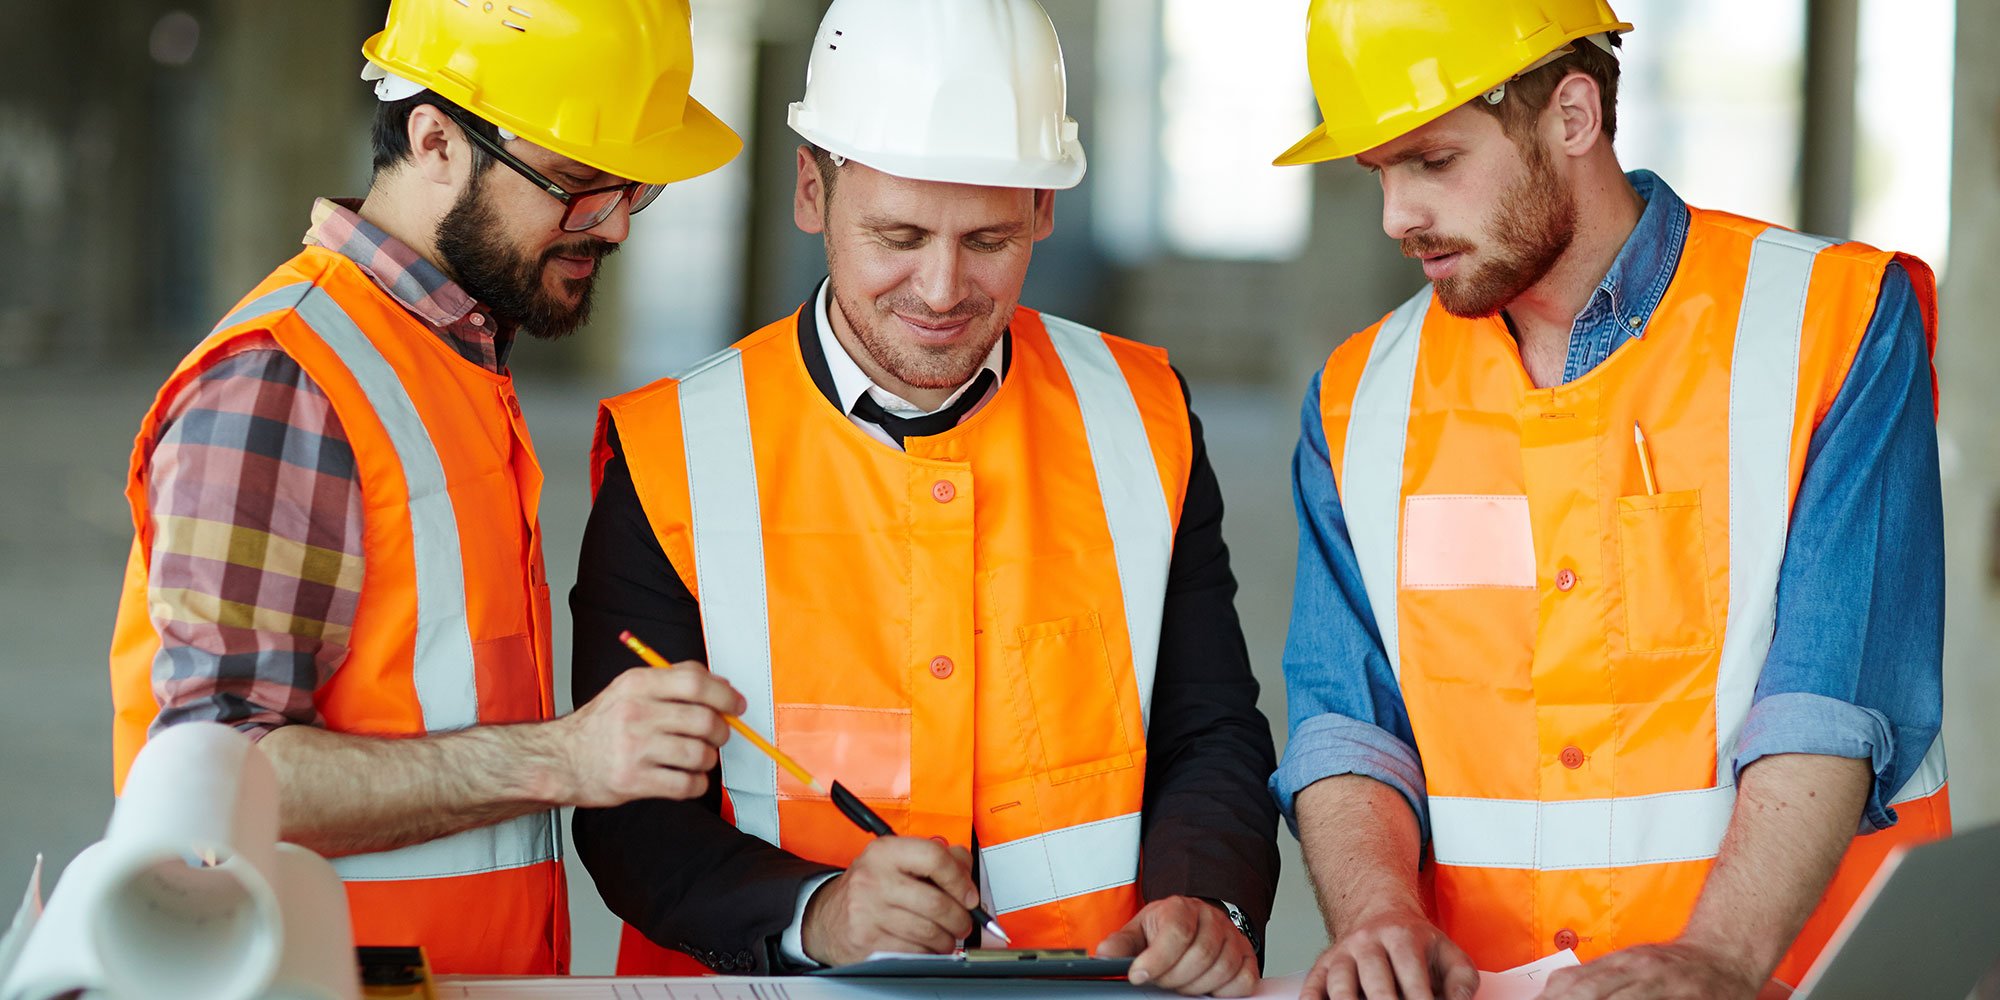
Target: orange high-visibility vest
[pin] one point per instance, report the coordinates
(964, 633)
(452, 627)
(1577, 655)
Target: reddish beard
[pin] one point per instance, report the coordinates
(1531, 231)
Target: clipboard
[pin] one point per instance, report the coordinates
(986, 963)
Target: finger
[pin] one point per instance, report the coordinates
(937, 865)
(1225, 971)
(1378, 980)
(917, 929)
(679, 718)
(1343, 979)
(1412, 969)
(1125, 942)
(1170, 937)
(1591, 982)
(1455, 969)
(1204, 949)
(1247, 979)
(929, 903)
(680, 753)
(668, 783)
(696, 687)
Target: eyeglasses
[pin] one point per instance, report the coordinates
(582, 210)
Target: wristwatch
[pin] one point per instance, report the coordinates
(1242, 922)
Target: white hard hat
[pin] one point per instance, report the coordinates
(963, 91)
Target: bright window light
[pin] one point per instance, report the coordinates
(1230, 100)
(1709, 98)
(1902, 170)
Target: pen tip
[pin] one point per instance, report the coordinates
(993, 928)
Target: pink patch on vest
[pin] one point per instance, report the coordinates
(1453, 542)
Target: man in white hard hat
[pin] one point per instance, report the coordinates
(962, 557)
(334, 496)
(1620, 595)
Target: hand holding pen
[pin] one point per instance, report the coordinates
(901, 894)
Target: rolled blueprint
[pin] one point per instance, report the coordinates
(189, 894)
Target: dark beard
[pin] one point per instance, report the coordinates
(1533, 229)
(475, 251)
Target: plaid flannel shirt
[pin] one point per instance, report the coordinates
(255, 499)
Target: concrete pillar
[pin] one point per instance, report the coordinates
(1826, 154)
(1350, 275)
(75, 159)
(1968, 362)
(291, 123)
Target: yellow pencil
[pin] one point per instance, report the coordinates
(654, 659)
(1645, 460)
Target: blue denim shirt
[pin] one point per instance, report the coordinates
(1856, 662)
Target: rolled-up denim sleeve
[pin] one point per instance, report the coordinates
(1346, 712)
(1856, 662)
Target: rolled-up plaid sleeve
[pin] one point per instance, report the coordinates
(256, 560)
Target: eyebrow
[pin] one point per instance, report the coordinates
(884, 222)
(1405, 156)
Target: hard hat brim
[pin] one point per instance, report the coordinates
(701, 143)
(1316, 147)
(1319, 145)
(1051, 175)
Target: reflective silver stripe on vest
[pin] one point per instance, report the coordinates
(1580, 833)
(443, 672)
(1059, 864)
(1128, 484)
(515, 843)
(728, 533)
(1645, 829)
(1371, 487)
(1763, 398)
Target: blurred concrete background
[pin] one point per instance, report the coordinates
(157, 157)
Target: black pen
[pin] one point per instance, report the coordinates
(853, 808)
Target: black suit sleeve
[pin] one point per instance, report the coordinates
(675, 870)
(1210, 827)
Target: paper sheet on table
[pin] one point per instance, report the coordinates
(1523, 982)
(25, 919)
(798, 988)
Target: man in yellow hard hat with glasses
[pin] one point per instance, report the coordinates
(1618, 621)
(334, 496)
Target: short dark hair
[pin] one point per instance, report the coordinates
(828, 170)
(391, 134)
(1528, 94)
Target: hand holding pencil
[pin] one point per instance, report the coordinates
(901, 894)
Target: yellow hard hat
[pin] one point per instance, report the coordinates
(603, 82)
(1382, 68)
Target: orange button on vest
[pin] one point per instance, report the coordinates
(452, 627)
(981, 663)
(1577, 680)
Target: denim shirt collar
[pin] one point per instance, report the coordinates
(1624, 301)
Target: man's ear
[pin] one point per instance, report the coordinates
(436, 144)
(1578, 104)
(809, 195)
(1045, 213)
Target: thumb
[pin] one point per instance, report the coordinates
(1461, 977)
(1126, 942)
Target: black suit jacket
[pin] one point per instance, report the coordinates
(692, 882)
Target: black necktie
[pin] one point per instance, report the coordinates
(943, 420)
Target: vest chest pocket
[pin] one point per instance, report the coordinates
(1079, 716)
(1663, 559)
